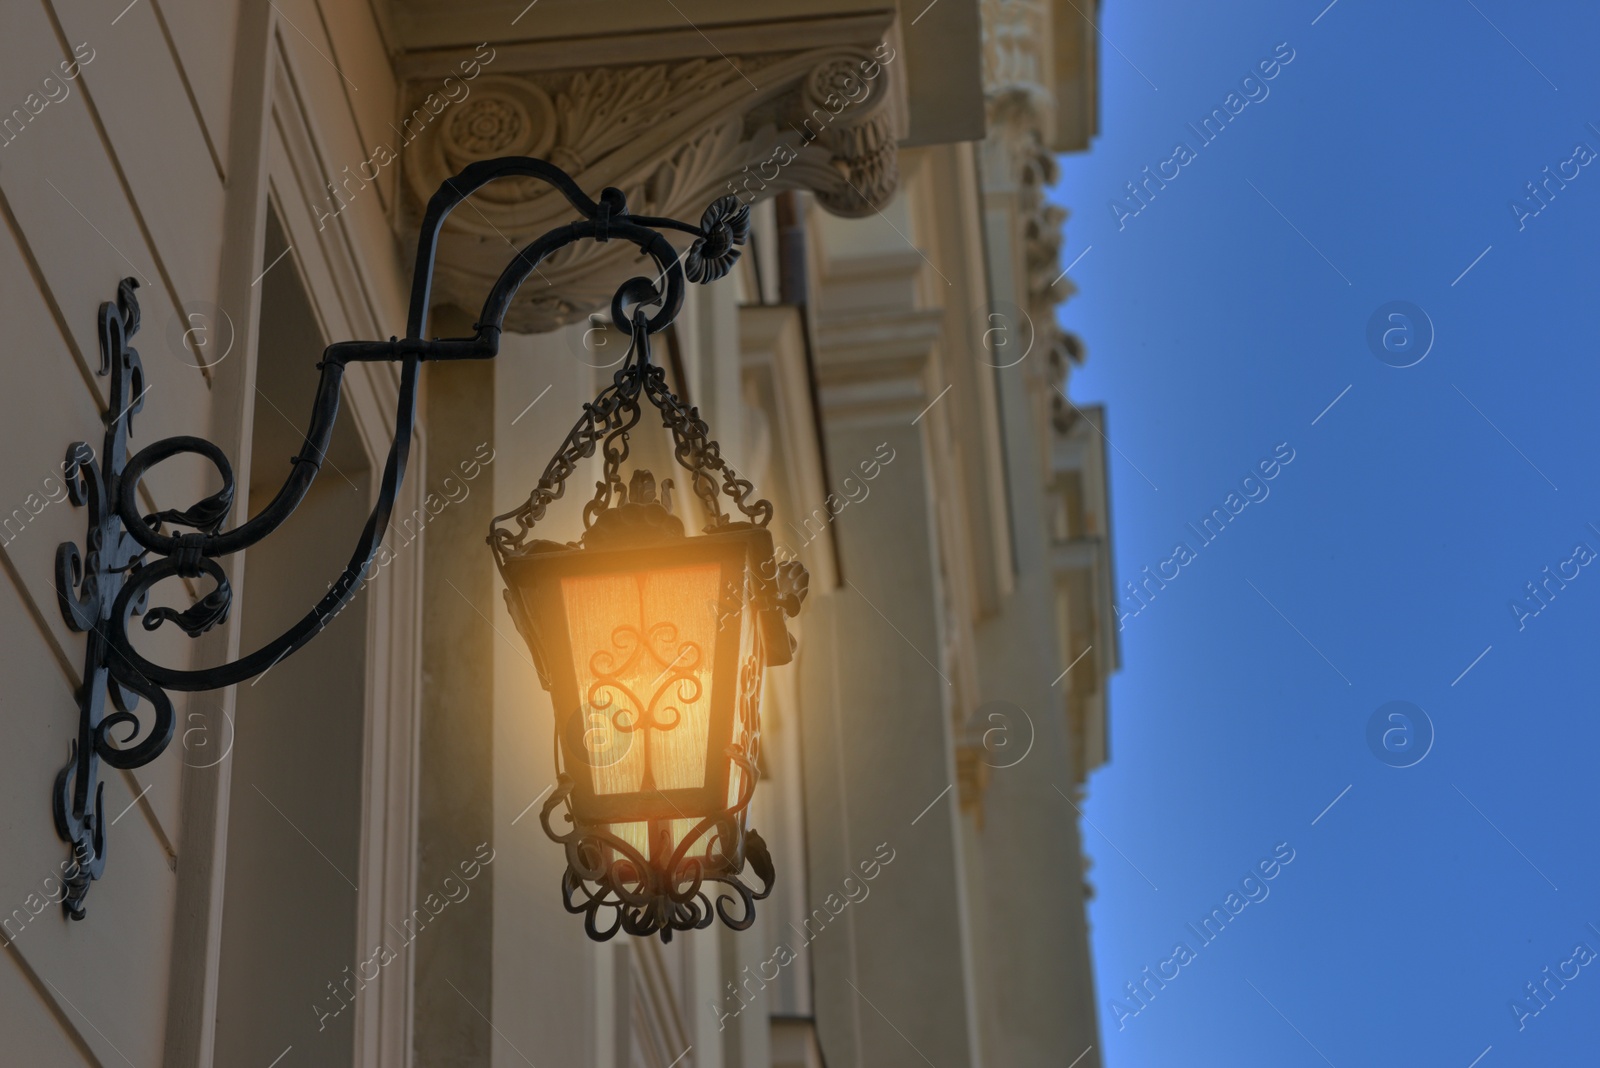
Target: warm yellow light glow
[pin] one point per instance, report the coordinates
(643, 651)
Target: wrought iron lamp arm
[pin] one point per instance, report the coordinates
(127, 553)
(191, 555)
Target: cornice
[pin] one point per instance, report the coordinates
(569, 51)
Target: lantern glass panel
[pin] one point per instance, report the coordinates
(652, 653)
(644, 655)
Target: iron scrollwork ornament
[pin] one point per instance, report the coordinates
(88, 585)
(126, 715)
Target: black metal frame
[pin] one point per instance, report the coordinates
(126, 553)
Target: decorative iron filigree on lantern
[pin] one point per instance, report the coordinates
(652, 645)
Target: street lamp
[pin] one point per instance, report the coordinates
(651, 642)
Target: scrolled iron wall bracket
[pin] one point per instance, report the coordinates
(126, 553)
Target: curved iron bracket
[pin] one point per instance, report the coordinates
(125, 553)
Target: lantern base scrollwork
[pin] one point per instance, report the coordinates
(608, 879)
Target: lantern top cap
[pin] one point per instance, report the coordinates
(640, 518)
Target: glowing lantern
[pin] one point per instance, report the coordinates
(652, 645)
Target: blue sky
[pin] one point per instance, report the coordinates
(1229, 317)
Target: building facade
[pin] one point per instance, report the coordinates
(341, 861)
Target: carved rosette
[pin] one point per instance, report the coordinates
(673, 137)
(848, 116)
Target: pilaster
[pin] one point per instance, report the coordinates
(886, 686)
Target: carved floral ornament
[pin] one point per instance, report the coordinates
(672, 137)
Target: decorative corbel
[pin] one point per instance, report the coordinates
(670, 136)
